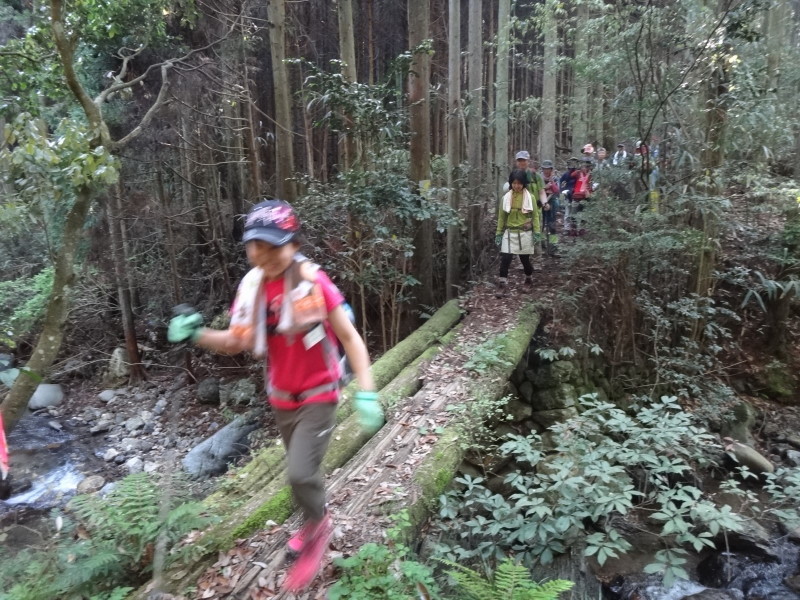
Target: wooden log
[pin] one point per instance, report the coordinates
(408, 464)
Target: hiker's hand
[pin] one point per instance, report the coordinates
(370, 411)
(498, 239)
(185, 326)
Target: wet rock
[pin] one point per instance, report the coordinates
(793, 582)
(211, 456)
(55, 425)
(753, 539)
(110, 454)
(208, 391)
(46, 394)
(792, 457)
(716, 595)
(120, 459)
(91, 484)
(107, 396)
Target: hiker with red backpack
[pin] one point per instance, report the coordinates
(581, 180)
(288, 310)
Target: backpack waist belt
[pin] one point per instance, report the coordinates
(320, 389)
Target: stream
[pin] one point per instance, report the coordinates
(47, 462)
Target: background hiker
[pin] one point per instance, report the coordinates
(552, 190)
(518, 225)
(288, 310)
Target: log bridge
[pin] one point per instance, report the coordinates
(432, 403)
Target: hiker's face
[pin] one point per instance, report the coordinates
(516, 185)
(522, 163)
(274, 260)
(547, 172)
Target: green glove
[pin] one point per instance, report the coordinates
(370, 411)
(185, 327)
(498, 239)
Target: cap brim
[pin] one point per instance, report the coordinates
(271, 236)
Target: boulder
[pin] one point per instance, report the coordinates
(208, 391)
(548, 418)
(739, 422)
(118, 367)
(518, 410)
(46, 395)
(793, 457)
(134, 465)
(561, 396)
(212, 455)
(134, 423)
(552, 374)
(241, 392)
(107, 396)
(749, 457)
(91, 484)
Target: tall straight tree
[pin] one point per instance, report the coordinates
(419, 17)
(347, 53)
(284, 152)
(453, 142)
(547, 123)
(500, 166)
(474, 118)
(580, 96)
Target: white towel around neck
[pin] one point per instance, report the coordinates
(527, 202)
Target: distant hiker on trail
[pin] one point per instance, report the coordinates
(535, 183)
(288, 310)
(620, 157)
(581, 191)
(550, 209)
(602, 158)
(567, 183)
(588, 152)
(518, 228)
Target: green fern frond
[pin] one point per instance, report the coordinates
(511, 581)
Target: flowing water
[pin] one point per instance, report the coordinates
(46, 466)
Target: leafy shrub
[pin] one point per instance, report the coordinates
(607, 463)
(103, 545)
(22, 304)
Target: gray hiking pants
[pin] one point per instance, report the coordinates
(306, 433)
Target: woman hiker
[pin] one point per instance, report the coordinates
(288, 310)
(518, 226)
